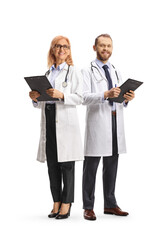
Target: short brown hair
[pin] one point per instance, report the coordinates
(102, 35)
(51, 57)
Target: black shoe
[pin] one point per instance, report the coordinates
(63, 216)
(53, 215)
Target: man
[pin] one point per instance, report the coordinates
(104, 135)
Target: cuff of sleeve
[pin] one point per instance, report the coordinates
(125, 104)
(61, 100)
(103, 99)
(34, 103)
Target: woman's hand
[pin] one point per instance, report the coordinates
(55, 93)
(129, 96)
(34, 95)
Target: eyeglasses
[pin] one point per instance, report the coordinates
(59, 46)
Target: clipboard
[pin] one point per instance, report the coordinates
(40, 84)
(129, 84)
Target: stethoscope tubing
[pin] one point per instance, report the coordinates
(92, 66)
(64, 84)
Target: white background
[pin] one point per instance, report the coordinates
(27, 28)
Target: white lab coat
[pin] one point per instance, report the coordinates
(69, 145)
(98, 132)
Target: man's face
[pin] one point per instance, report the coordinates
(103, 48)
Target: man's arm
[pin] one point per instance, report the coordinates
(88, 96)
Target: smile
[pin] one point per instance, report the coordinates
(105, 52)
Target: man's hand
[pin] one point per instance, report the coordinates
(34, 95)
(129, 96)
(112, 93)
(54, 93)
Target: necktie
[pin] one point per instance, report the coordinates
(105, 67)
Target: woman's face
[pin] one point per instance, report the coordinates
(61, 50)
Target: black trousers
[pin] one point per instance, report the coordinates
(110, 165)
(59, 173)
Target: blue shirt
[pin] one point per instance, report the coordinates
(54, 72)
(100, 65)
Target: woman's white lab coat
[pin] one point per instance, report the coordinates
(98, 132)
(69, 145)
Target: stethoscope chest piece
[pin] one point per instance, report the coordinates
(64, 84)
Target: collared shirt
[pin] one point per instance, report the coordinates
(100, 65)
(54, 72)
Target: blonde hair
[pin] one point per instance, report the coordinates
(51, 57)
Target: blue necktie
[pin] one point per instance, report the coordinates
(105, 67)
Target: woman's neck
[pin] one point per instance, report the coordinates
(58, 63)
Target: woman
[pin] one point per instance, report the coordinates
(60, 141)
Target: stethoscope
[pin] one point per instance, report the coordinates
(100, 73)
(64, 84)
